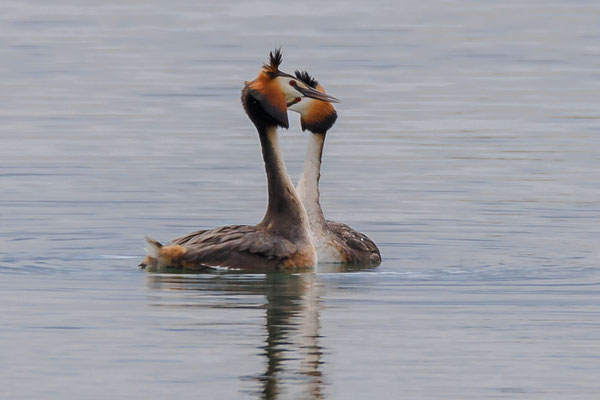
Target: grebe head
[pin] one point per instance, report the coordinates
(315, 115)
(267, 97)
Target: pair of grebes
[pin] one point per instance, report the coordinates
(293, 234)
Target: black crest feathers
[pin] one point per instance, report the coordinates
(306, 78)
(275, 60)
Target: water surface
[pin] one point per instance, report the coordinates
(467, 147)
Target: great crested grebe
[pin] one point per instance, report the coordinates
(335, 242)
(281, 240)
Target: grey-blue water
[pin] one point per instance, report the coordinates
(467, 147)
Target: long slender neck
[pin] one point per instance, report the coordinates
(308, 185)
(285, 213)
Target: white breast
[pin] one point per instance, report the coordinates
(327, 252)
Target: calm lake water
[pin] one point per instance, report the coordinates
(467, 147)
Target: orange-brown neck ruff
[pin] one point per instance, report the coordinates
(270, 96)
(319, 116)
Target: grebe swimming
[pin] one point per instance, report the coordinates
(281, 240)
(334, 242)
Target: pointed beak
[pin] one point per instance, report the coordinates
(315, 94)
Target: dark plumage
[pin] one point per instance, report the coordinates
(356, 247)
(235, 246)
(305, 77)
(275, 60)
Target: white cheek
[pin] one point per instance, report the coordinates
(301, 106)
(288, 90)
(291, 92)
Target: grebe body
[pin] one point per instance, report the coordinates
(334, 242)
(282, 239)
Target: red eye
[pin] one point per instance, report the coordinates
(292, 83)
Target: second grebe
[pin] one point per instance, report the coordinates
(335, 242)
(281, 240)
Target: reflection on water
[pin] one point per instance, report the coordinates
(291, 325)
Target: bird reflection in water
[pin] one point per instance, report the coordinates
(292, 323)
(292, 350)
